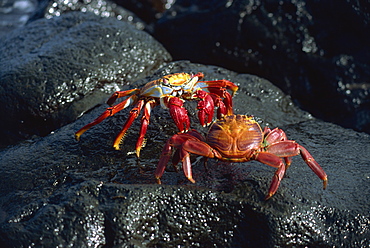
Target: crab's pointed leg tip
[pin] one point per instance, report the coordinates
(268, 196)
(138, 153)
(191, 180)
(325, 183)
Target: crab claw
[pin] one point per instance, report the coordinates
(205, 106)
(221, 107)
(221, 92)
(179, 113)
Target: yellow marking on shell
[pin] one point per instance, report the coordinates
(177, 79)
(234, 124)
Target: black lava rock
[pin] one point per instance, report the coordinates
(53, 70)
(59, 192)
(49, 9)
(316, 51)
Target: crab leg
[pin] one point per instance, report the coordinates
(276, 135)
(219, 84)
(177, 142)
(133, 115)
(274, 161)
(108, 112)
(186, 165)
(144, 124)
(192, 146)
(119, 94)
(315, 167)
(198, 147)
(289, 148)
(266, 131)
(176, 158)
(163, 161)
(196, 136)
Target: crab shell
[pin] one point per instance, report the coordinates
(235, 137)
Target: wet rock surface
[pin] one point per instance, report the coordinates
(316, 51)
(57, 191)
(49, 9)
(53, 70)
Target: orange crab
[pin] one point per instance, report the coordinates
(238, 138)
(170, 92)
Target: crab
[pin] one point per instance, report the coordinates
(170, 92)
(237, 138)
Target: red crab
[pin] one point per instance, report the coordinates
(170, 92)
(238, 138)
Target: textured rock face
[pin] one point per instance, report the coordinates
(56, 191)
(53, 70)
(49, 9)
(316, 51)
